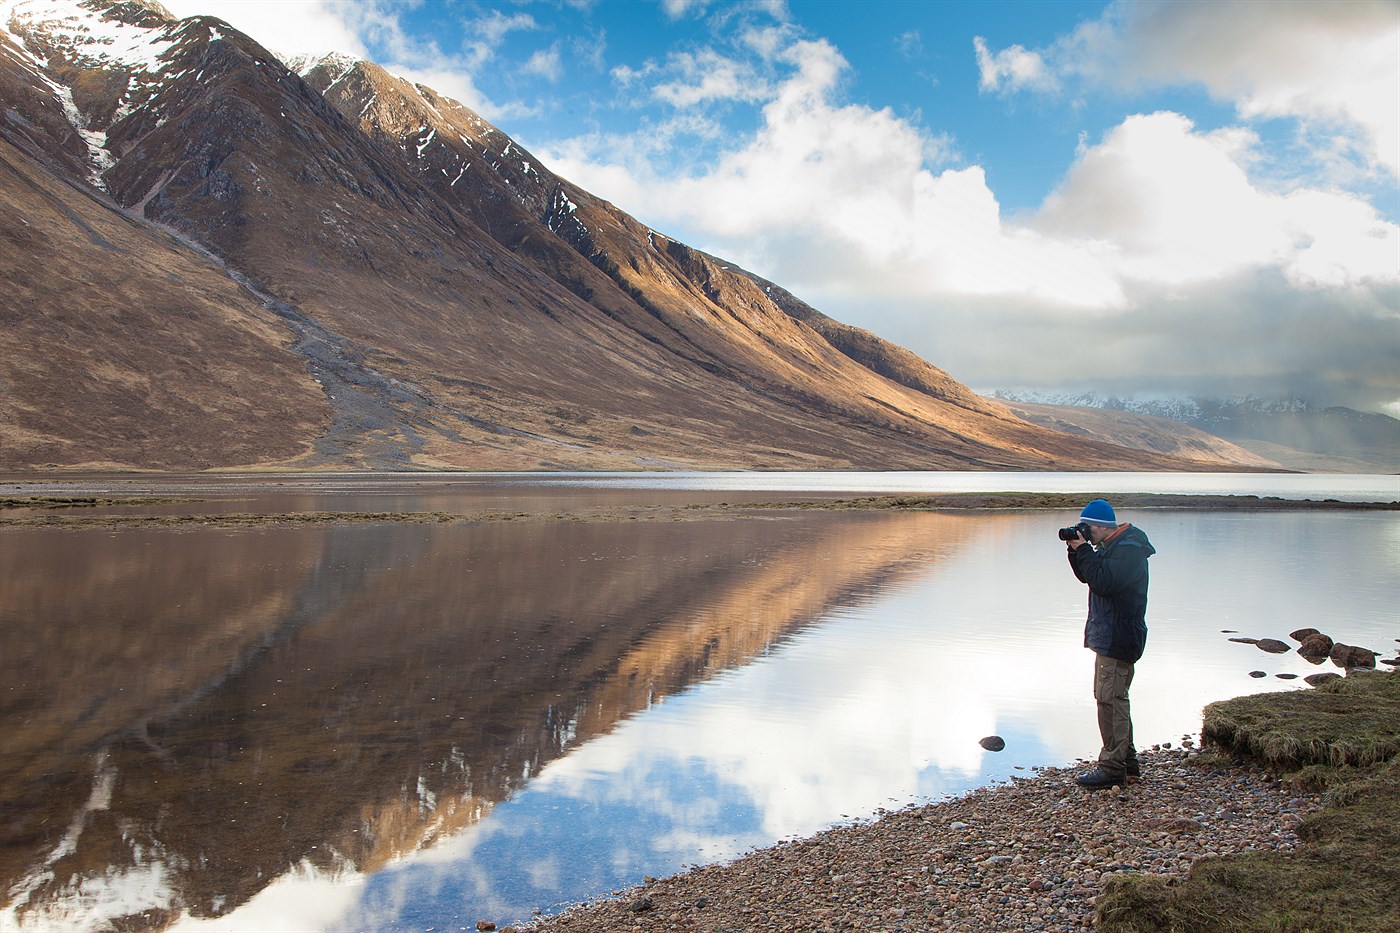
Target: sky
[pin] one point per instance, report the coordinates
(1159, 197)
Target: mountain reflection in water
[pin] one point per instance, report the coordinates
(191, 715)
(399, 726)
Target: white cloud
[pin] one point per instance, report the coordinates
(677, 9)
(1012, 69)
(1331, 62)
(910, 44)
(708, 76)
(1174, 204)
(546, 63)
(490, 31)
(1179, 208)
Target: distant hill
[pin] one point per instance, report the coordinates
(1142, 432)
(1289, 432)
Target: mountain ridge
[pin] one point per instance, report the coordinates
(456, 304)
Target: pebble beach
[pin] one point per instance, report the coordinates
(1029, 855)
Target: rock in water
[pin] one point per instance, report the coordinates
(1316, 647)
(1313, 680)
(1302, 634)
(993, 743)
(1271, 645)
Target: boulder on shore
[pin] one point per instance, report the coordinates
(1350, 656)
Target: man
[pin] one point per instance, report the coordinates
(1113, 562)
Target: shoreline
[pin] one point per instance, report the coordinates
(1031, 854)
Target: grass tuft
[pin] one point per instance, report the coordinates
(1354, 721)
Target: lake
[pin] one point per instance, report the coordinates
(405, 725)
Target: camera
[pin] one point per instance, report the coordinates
(1075, 531)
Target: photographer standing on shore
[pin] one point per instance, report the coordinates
(1112, 560)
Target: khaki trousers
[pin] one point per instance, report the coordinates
(1112, 678)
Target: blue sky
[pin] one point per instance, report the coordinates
(1134, 197)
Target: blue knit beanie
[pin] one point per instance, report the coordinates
(1099, 512)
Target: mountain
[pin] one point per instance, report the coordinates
(1291, 433)
(210, 260)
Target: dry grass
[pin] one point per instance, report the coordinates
(1354, 721)
(1345, 736)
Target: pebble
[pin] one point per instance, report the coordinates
(1032, 854)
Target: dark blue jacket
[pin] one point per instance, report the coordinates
(1117, 578)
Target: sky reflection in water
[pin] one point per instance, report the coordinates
(773, 705)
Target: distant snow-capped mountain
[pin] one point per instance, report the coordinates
(1291, 431)
(1193, 410)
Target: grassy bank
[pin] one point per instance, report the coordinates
(1342, 737)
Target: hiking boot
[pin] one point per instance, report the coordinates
(1098, 779)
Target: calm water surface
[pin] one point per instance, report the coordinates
(400, 726)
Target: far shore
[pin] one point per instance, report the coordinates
(73, 511)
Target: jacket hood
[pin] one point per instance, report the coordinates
(1133, 536)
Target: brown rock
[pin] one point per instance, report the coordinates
(1315, 679)
(1315, 647)
(992, 743)
(1350, 656)
(1303, 634)
(1246, 641)
(1271, 645)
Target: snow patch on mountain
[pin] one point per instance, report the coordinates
(338, 64)
(88, 39)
